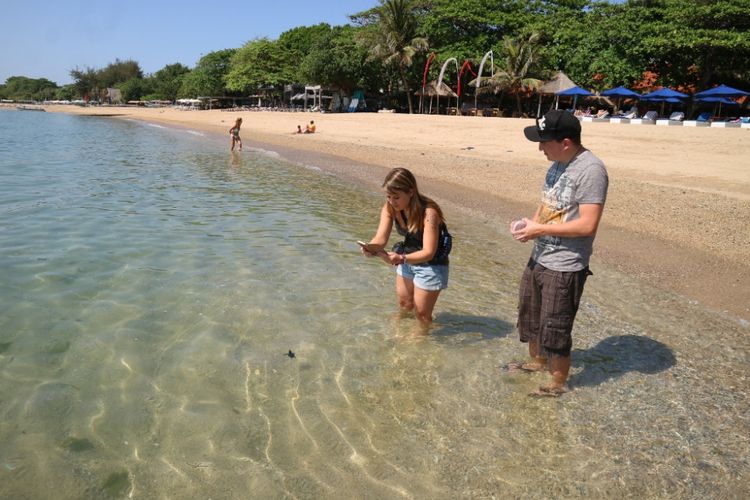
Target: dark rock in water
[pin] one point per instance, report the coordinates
(117, 484)
(77, 444)
(290, 354)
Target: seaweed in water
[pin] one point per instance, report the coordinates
(117, 484)
(77, 445)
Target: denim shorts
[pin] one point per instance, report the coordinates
(426, 277)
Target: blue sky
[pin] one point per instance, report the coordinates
(46, 38)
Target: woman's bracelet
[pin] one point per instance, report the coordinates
(403, 258)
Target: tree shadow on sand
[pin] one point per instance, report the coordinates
(615, 356)
(481, 327)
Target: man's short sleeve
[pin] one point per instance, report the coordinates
(593, 184)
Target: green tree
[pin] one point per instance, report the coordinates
(133, 89)
(258, 63)
(166, 82)
(394, 39)
(207, 78)
(335, 59)
(296, 44)
(514, 72)
(66, 93)
(21, 88)
(467, 29)
(85, 81)
(697, 41)
(118, 72)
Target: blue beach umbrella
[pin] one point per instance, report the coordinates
(717, 100)
(664, 95)
(620, 92)
(575, 92)
(721, 91)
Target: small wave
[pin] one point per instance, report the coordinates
(268, 152)
(155, 125)
(311, 167)
(195, 132)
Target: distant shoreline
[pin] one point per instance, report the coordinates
(678, 203)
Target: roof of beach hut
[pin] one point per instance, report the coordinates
(557, 84)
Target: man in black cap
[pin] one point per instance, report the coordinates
(563, 229)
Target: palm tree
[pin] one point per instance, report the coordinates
(513, 74)
(396, 41)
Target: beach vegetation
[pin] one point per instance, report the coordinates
(208, 76)
(515, 70)
(166, 83)
(66, 93)
(92, 83)
(642, 44)
(259, 63)
(118, 72)
(337, 60)
(296, 44)
(395, 40)
(466, 29)
(21, 88)
(698, 42)
(134, 89)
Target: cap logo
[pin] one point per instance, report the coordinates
(542, 123)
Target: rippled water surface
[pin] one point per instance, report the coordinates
(152, 284)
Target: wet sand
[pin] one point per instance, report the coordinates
(678, 202)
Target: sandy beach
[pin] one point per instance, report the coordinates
(679, 197)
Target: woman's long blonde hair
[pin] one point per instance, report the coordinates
(402, 180)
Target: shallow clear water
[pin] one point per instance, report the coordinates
(152, 284)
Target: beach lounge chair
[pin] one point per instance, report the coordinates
(703, 120)
(727, 123)
(601, 116)
(648, 119)
(674, 119)
(677, 116)
(625, 116)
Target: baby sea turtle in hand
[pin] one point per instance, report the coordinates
(290, 354)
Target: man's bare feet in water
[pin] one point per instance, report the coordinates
(550, 391)
(528, 367)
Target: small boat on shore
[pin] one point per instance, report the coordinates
(24, 107)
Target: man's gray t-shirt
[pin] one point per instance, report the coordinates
(583, 181)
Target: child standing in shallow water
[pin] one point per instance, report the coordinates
(234, 133)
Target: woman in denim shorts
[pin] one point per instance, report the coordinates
(421, 259)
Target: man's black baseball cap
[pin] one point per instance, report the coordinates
(554, 126)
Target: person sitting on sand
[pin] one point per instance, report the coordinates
(234, 133)
(310, 129)
(421, 260)
(299, 129)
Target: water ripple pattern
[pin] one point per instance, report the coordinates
(152, 285)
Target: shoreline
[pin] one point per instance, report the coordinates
(688, 186)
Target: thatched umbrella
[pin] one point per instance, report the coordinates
(559, 83)
(433, 90)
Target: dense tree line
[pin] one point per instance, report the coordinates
(688, 44)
